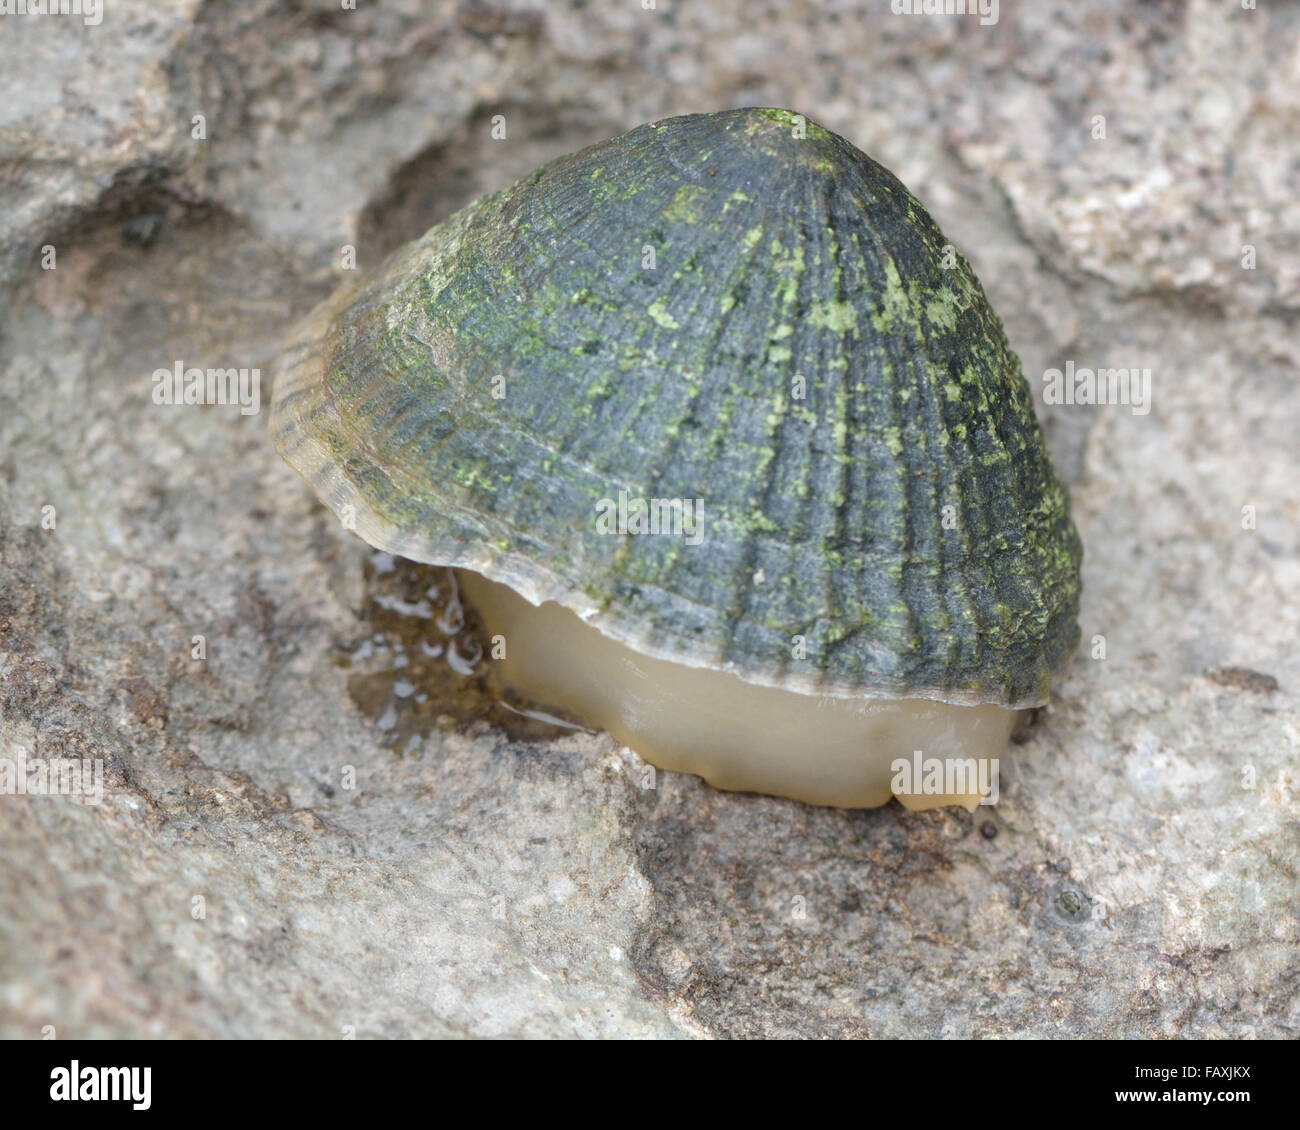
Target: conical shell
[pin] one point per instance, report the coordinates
(737, 308)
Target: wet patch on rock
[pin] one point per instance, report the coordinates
(425, 662)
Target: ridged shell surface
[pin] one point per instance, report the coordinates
(737, 308)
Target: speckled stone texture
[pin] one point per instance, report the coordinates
(1123, 180)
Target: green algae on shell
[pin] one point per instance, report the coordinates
(807, 355)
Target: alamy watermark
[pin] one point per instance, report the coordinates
(946, 776)
(179, 385)
(1131, 387)
(987, 10)
(671, 517)
(81, 778)
(75, 1083)
(90, 11)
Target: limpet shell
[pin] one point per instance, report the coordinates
(738, 308)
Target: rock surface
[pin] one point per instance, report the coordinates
(264, 864)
